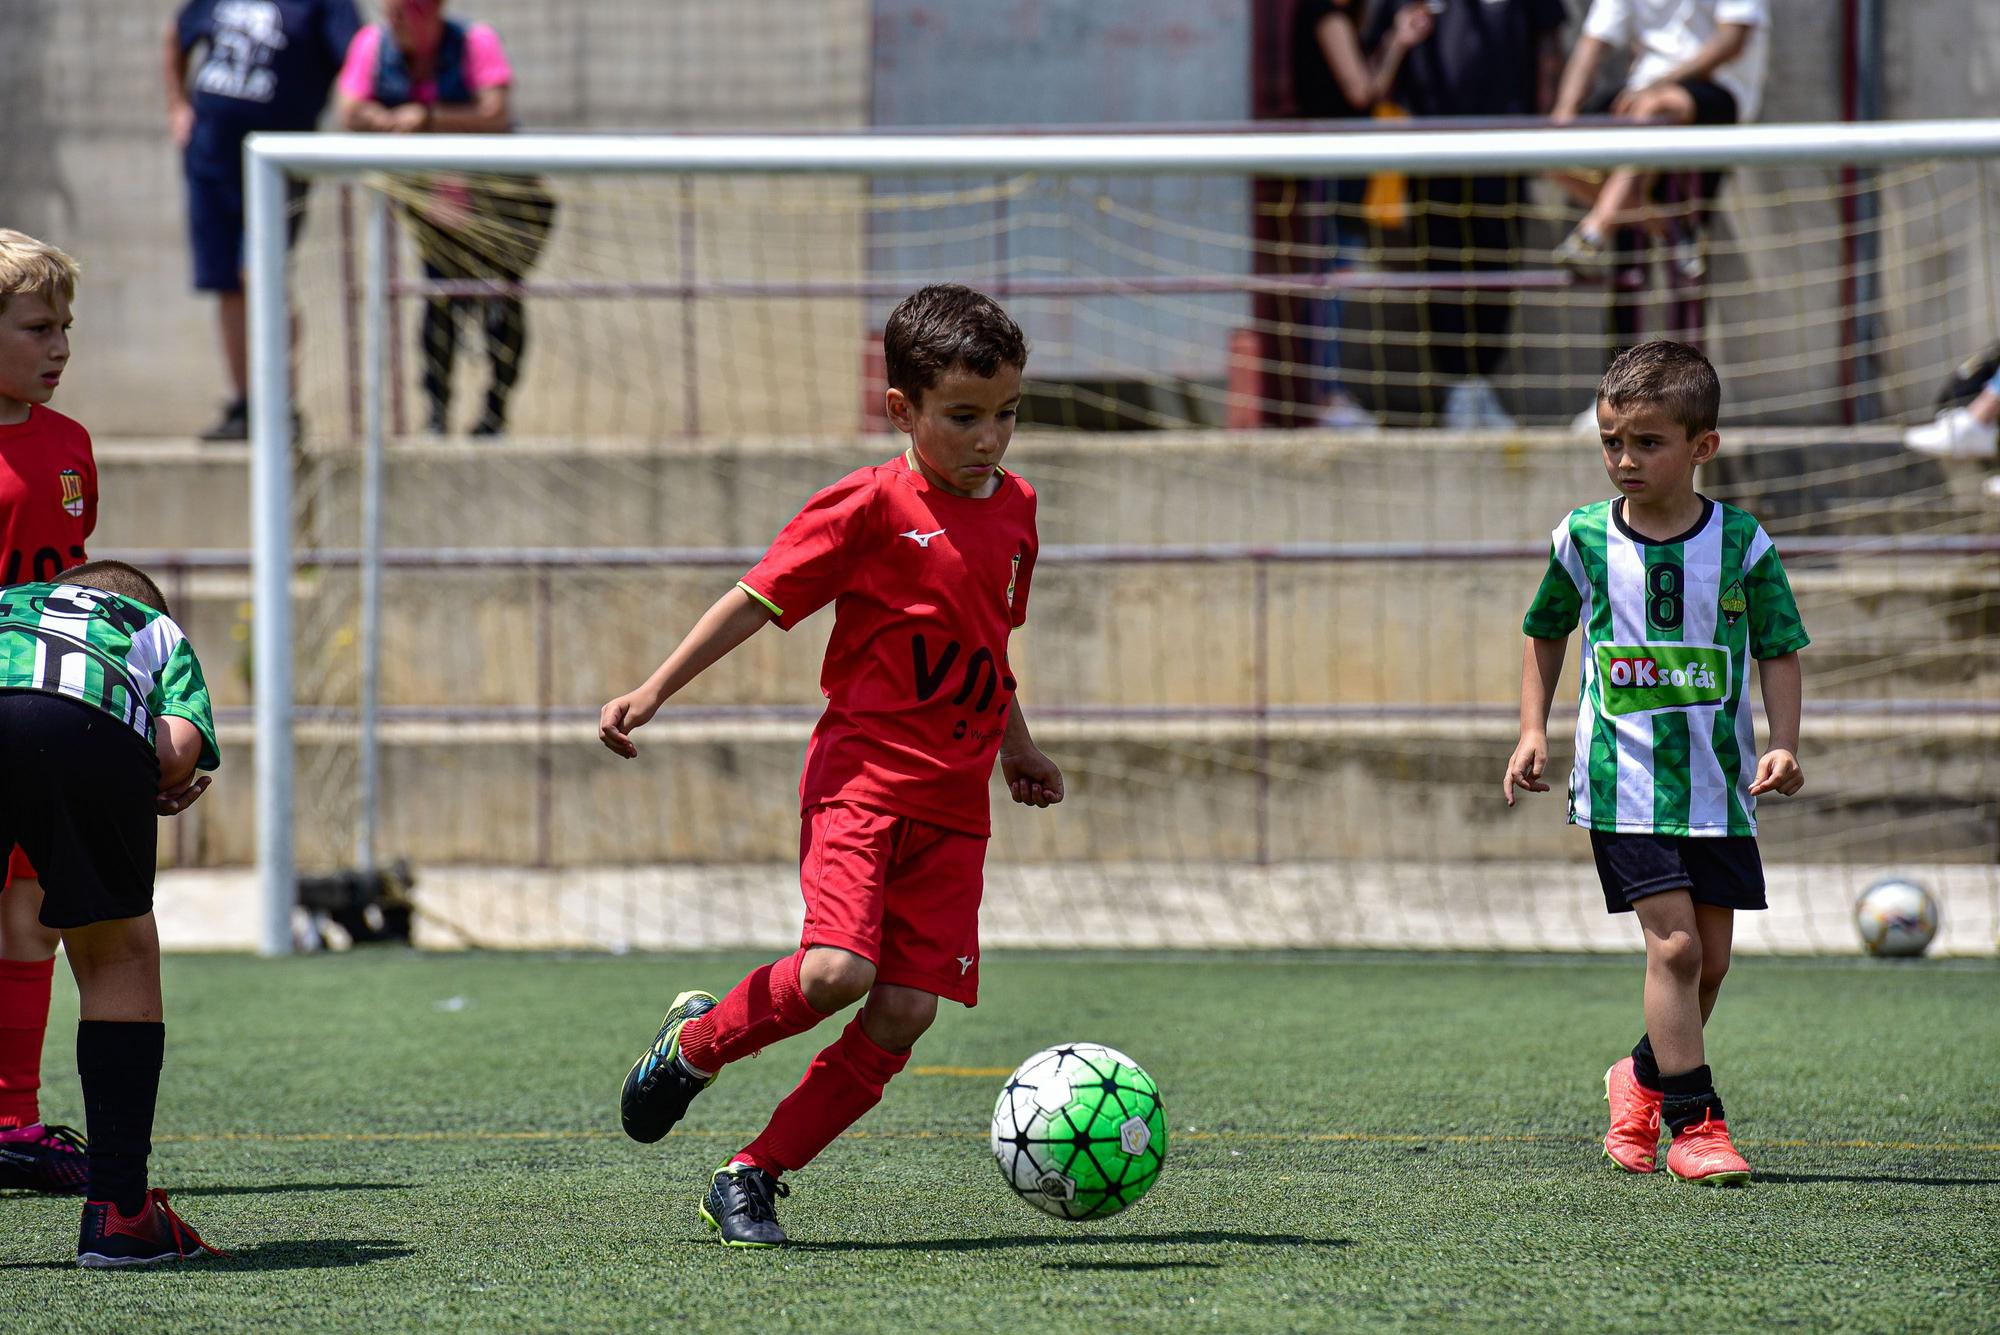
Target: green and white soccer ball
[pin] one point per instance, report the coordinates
(1080, 1131)
(1896, 918)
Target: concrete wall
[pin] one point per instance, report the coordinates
(1389, 682)
(88, 165)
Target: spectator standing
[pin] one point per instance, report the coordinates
(1334, 79)
(1482, 58)
(1694, 62)
(265, 65)
(416, 72)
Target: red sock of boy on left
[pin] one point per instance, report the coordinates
(843, 1082)
(765, 1008)
(24, 1020)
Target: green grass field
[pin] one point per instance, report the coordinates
(394, 1140)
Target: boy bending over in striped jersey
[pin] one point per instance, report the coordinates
(1676, 593)
(104, 722)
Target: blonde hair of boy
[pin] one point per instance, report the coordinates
(28, 265)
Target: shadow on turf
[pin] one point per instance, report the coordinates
(287, 1188)
(1130, 1265)
(1896, 1179)
(1201, 1238)
(314, 1254)
(298, 1254)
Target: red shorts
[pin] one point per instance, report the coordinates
(901, 893)
(18, 867)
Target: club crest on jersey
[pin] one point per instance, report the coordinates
(1733, 603)
(72, 492)
(1652, 678)
(1013, 578)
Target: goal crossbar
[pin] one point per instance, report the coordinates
(1297, 154)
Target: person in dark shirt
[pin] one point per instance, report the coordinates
(1483, 58)
(265, 65)
(1334, 79)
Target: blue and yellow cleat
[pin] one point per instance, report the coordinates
(659, 1087)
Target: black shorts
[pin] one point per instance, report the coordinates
(213, 166)
(76, 791)
(1713, 104)
(1724, 872)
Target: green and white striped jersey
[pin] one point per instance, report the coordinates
(1664, 738)
(105, 650)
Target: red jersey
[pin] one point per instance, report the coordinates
(926, 587)
(48, 496)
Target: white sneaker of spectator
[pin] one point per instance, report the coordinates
(1471, 405)
(1689, 254)
(1956, 434)
(1584, 254)
(1342, 413)
(1993, 487)
(1585, 423)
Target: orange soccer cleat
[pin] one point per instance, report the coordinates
(1634, 1138)
(1703, 1154)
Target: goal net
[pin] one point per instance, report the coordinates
(1275, 635)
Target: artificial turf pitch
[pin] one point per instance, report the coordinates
(391, 1140)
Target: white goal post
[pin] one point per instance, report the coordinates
(270, 159)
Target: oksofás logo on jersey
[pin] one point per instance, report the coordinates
(1648, 678)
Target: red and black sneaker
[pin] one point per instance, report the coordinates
(153, 1235)
(44, 1158)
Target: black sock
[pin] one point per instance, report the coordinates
(119, 1062)
(1687, 1098)
(1645, 1068)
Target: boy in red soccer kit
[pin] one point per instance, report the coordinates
(48, 507)
(927, 559)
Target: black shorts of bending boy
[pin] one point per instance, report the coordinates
(1726, 872)
(77, 788)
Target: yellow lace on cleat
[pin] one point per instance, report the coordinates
(1634, 1138)
(1703, 1154)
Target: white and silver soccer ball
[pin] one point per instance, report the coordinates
(1896, 917)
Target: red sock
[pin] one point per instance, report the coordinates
(759, 1011)
(842, 1083)
(24, 1018)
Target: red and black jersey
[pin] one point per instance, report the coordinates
(926, 587)
(48, 496)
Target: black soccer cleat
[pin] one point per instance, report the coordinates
(234, 424)
(45, 1158)
(740, 1206)
(658, 1088)
(153, 1235)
